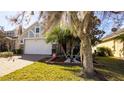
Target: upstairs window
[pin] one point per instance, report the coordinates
(37, 29)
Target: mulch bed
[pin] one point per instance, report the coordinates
(58, 61)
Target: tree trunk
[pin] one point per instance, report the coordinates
(86, 56)
(64, 47)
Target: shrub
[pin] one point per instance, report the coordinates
(6, 54)
(18, 51)
(104, 51)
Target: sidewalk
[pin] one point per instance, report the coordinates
(7, 67)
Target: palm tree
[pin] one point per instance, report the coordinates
(59, 35)
(64, 38)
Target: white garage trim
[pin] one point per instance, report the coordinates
(37, 46)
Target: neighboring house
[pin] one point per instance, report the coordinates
(1, 37)
(6, 42)
(10, 33)
(116, 45)
(32, 41)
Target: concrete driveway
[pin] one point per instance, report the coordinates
(7, 66)
(34, 57)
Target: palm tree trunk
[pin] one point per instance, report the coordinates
(63, 51)
(86, 57)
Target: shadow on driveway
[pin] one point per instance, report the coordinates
(32, 57)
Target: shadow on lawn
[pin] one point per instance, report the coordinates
(97, 77)
(106, 67)
(112, 64)
(109, 68)
(76, 69)
(72, 70)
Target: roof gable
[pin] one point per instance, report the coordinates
(32, 29)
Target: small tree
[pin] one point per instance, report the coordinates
(59, 36)
(62, 36)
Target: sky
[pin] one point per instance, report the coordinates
(110, 20)
(4, 22)
(7, 24)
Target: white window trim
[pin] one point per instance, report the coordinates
(39, 31)
(37, 27)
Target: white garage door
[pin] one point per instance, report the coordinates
(37, 46)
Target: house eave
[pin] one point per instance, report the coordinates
(112, 37)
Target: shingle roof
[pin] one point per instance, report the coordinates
(27, 29)
(113, 35)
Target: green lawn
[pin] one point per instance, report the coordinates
(113, 69)
(42, 71)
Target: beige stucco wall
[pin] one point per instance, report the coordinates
(115, 45)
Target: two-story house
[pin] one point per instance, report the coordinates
(32, 41)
